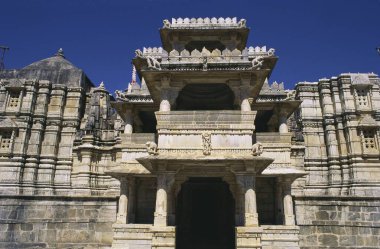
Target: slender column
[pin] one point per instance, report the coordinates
(128, 122)
(283, 127)
(244, 96)
(282, 121)
(279, 202)
(165, 102)
(165, 182)
(132, 199)
(165, 94)
(122, 215)
(247, 184)
(289, 219)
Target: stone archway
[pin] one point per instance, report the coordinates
(205, 213)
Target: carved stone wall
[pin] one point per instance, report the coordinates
(337, 205)
(339, 118)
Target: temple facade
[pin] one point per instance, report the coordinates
(200, 151)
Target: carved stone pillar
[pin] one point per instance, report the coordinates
(335, 178)
(247, 185)
(165, 101)
(244, 96)
(131, 200)
(122, 214)
(165, 105)
(128, 129)
(279, 202)
(289, 218)
(165, 182)
(282, 120)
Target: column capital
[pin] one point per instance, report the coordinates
(166, 180)
(246, 180)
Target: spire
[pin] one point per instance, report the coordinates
(60, 53)
(266, 84)
(101, 86)
(144, 87)
(133, 75)
(133, 86)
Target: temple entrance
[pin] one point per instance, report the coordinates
(205, 215)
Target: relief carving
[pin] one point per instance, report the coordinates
(151, 147)
(257, 149)
(206, 143)
(257, 62)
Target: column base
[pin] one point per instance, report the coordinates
(121, 219)
(132, 236)
(280, 237)
(163, 237)
(289, 220)
(160, 220)
(251, 220)
(248, 237)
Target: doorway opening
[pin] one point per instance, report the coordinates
(205, 214)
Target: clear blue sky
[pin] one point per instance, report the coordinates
(314, 38)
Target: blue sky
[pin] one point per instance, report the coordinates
(313, 39)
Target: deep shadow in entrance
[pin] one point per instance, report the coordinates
(205, 215)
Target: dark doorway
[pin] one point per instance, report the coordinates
(205, 215)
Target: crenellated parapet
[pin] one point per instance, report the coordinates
(249, 52)
(157, 58)
(204, 23)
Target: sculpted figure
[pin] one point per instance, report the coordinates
(139, 53)
(166, 23)
(118, 94)
(257, 149)
(242, 23)
(153, 63)
(290, 95)
(151, 147)
(271, 51)
(257, 62)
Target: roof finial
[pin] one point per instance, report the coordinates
(60, 53)
(266, 84)
(101, 86)
(133, 75)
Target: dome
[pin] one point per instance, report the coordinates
(58, 70)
